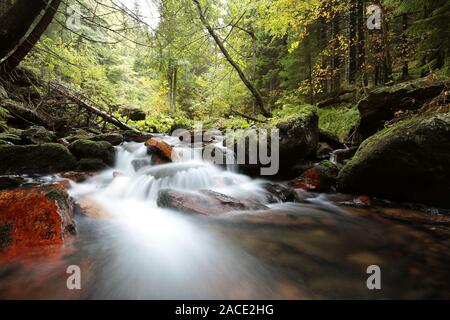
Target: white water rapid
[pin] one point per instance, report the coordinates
(157, 253)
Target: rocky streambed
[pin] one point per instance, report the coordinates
(146, 229)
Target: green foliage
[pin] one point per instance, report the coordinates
(339, 121)
(4, 114)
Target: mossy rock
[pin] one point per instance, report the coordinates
(114, 138)
(93, 149)
(35, 159)
(382, 103)
(37, 135)
(299, 137)
(91, 165)
(408, 161)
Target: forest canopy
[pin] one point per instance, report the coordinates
(185, 61)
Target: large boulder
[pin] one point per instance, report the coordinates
(299, 137)
(35, 159)
(86, 149)
(37, 135)
(409, 161)
(206, 202)
(382, 103)
(298, 141)
(35, 216)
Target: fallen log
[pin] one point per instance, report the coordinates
(78, 99)
(246, 116)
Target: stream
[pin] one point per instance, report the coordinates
(318, 249)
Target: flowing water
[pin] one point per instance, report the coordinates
(292, 251)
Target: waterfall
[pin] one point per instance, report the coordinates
(151, 252)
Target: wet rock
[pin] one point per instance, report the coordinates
(35, 159)
(320, 178)
(138, 164)
(278, 193)
(37, 135)
(77, 176)
(36, 216)
(407, 215)
(407, 162)
(205, 202)
(381, 104)
(162, 148)
(86, 149)
(350, 200)
(91, 165)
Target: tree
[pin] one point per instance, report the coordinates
(25, 47)
(220, 44)
(16, 21)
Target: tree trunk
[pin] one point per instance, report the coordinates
(352, 59)
(387, 60)
(172, 73)
(16, 21)
(336, 83)
(405, 66)
(248, 84)
(361, 23)
(25, 47)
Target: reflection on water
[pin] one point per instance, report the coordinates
(292, 251)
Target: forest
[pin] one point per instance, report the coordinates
(352, 96)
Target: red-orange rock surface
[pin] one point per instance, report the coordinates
(37, 216)
(162, 147)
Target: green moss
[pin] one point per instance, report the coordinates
(293, 113)
(382, 138)
(93, 149)
(339, 121)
